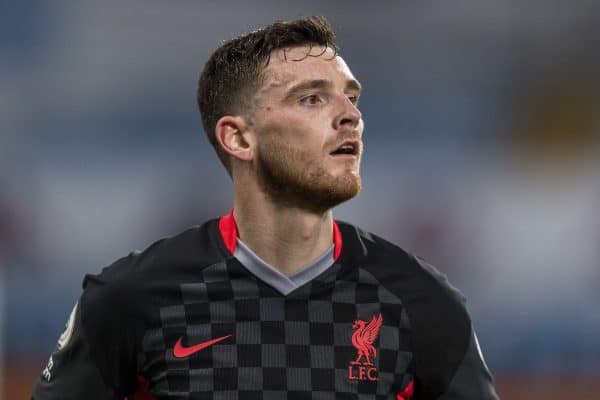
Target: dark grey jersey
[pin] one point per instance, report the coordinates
(199, 316)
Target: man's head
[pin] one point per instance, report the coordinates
(280, 103)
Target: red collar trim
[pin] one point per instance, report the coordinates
(229, 232)
(337, 241)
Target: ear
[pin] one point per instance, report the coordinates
(235, 138)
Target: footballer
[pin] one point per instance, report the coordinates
(275, 299)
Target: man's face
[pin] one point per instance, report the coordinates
(308, 129)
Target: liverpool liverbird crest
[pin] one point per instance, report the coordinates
(363, 338)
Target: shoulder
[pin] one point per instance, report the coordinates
(117, 304)
(440, 325)
(196, 247)
(403, 273)
(126, 286)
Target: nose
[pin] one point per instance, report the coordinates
(348, 115)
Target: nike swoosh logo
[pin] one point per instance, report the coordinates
(180, 351)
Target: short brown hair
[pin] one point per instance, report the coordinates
(233, 73)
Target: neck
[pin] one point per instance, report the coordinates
(286, 238)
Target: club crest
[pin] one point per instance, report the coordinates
(363, 337)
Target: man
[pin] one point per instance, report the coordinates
(275, 300)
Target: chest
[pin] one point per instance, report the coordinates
(238, 338)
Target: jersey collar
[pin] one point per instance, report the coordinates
(229, 233)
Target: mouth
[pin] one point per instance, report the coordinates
(347, 148)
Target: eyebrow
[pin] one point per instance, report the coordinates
(351, 84)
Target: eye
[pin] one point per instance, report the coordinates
(353, 99)
(312, 100)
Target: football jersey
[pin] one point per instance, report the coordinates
(200, 316)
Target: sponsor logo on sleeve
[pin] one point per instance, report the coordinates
(46, 372)
(63, 340)
(68, 331)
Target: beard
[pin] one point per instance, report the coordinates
(296, 178)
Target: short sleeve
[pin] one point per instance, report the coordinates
(449, 364)
(71, 372)
(472, 379)
(96, 357)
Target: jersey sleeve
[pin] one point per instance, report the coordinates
(449, 363)
(71, 372)
(472, 379)
(96, 357)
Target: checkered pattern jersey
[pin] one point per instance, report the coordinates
(189, 289)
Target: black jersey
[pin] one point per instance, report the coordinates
(187, 319)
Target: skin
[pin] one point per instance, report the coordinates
(286, 182)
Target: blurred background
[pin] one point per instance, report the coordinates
(482, 156)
